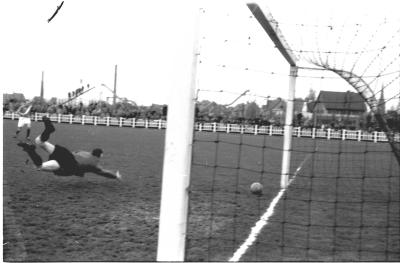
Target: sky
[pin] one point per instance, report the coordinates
(151, 42)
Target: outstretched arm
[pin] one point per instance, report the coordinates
(27, 111)
(106, 173)
(18, 110)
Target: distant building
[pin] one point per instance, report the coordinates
(339, 109)
(276, 108)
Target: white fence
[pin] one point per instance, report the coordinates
(214, 127)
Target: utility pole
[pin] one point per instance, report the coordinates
(42, 87)
(115, 85)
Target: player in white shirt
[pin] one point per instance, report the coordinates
(24, 118)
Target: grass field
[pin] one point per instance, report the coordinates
(49, 218)
(342, 206)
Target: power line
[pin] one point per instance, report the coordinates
(224, 66)
(332, 26)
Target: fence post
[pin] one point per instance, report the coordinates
(59, 118)
(83, 119)
(12, 115)
(70, 119)
(108, 121)
(241, 129)
(313, 133)
(270, 130)
(200, 127)
(159, 124)
(133, 123)
(146, 123)
(36, 116)
(343, 134)
(228, 128)
(95, 120)
(328, 136)
(214, 127)
(375, 136)
(120, 121)
(359, 135)
(255, 129)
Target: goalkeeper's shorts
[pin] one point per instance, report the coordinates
(66, 160)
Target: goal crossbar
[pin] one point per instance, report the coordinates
(266, 20)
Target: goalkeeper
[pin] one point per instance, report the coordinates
(63, 162)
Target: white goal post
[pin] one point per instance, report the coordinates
(265, 18)
(179, 140)
(177, 158)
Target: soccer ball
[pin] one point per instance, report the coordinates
(256, 188)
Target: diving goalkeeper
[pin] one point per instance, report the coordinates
(63, 162)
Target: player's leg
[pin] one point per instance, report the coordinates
(47, 146)
(17, 132)
(19, 127)
(41, 140)
(50, 166)
(30, 150)
(28, 131)
(48, 129)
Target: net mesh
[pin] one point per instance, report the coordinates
(342, 203)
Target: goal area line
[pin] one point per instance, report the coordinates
(256, 229)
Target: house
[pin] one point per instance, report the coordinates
(339, 109)
(276, 109)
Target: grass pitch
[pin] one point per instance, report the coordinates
(343, 205)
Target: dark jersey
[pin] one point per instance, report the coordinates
(86, 161)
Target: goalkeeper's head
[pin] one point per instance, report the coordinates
(97, 152)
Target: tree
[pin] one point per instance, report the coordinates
(165, 111)
(311, 95)
(53, 101)
(299, 119)
(39, 104)
(252, 111)
(237, 113)
(393, 120)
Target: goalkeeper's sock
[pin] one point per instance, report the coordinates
(30, 150)
(49, 129)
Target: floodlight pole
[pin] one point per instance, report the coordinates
(42, 87)
(177, 162)
(115, 85)
(272, 29)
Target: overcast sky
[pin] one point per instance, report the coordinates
(150, 42)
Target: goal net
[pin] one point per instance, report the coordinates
(330, 174)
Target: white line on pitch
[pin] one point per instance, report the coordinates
(265, 217)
